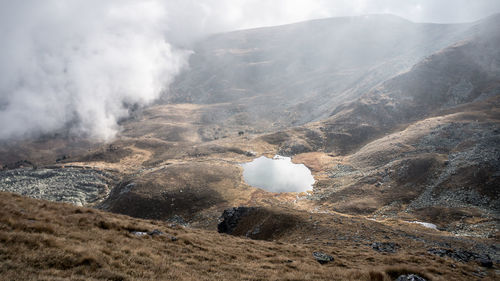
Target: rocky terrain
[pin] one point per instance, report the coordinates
(402, 128)
(413, 142)
(79, 186)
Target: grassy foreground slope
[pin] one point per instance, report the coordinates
(41, 240)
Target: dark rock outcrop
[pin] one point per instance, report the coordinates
(259, 223)
(385, 247)
(231, 217)
(463, 256)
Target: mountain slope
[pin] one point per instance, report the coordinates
(292, 74)
(421, 143)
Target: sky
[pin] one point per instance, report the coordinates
(224, 15)
(78, 65)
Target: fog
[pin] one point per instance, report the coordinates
(79, 65)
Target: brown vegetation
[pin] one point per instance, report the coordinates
(42, 240)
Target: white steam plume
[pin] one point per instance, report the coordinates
(79, 62)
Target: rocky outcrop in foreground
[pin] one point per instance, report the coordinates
(258, 223)
(231, 217)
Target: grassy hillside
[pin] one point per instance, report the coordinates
(42, 240)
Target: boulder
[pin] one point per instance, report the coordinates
(322, 258)
(410, 277)
(486, 263)
(155, 232)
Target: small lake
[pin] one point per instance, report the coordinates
(278, 174)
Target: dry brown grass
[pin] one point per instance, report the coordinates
(41, 240)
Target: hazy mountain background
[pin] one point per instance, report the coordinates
(293, 74)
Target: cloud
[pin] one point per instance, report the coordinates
(80, 63)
